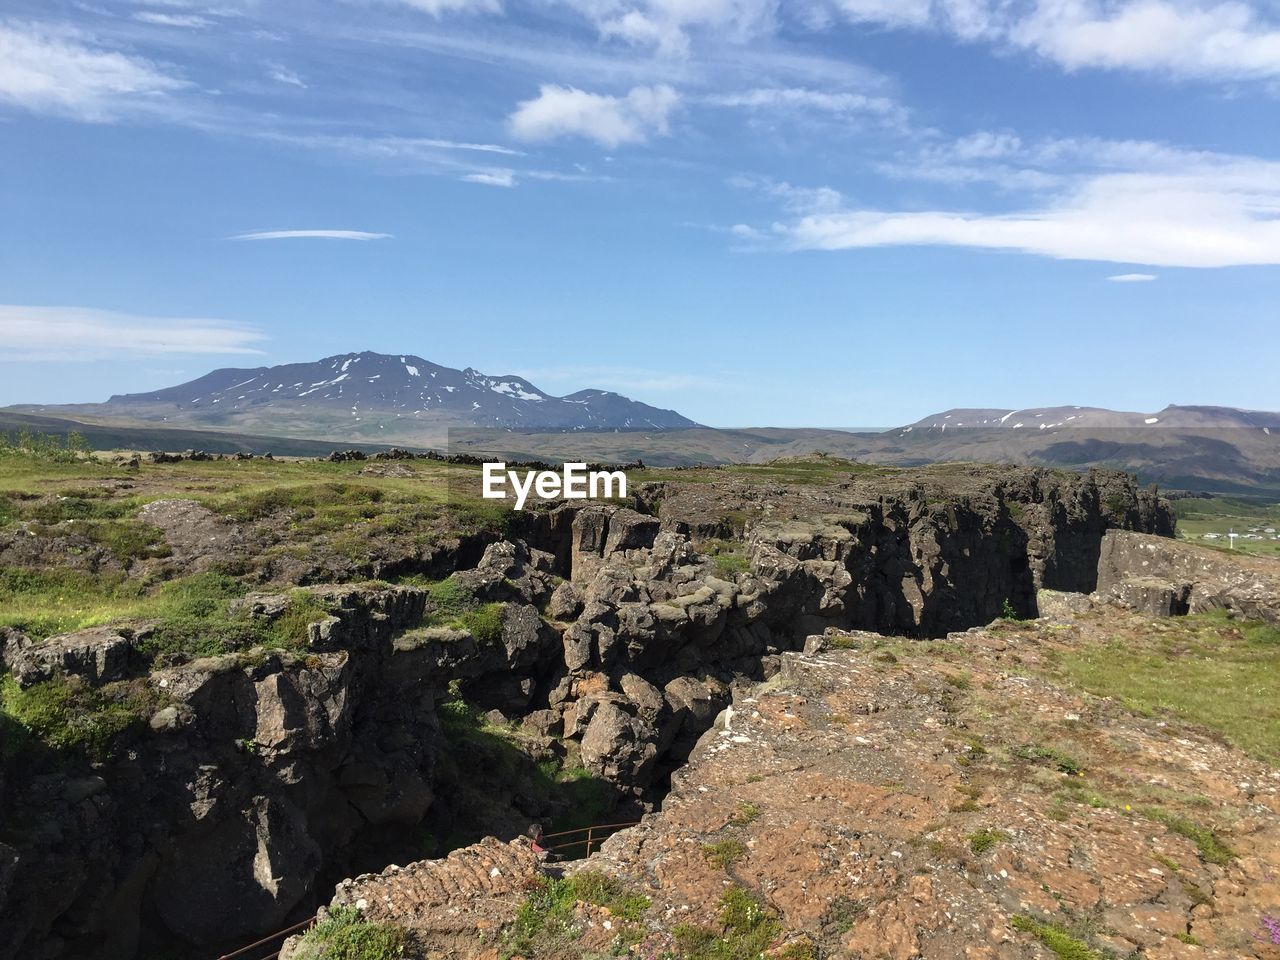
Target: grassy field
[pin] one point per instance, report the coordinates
(1206, 670)
(303, 505)
(1198, 516)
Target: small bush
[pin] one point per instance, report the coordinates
(342, 935)
(1062, 762)
(544, 925)
(747, 931)
(745, 813)
(983, 840)
(1058, 941)
(1009, 612)
(484, 623)
(724, 853)
(65, 713)
(1210, 848)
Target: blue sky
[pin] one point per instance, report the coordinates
(825, 212)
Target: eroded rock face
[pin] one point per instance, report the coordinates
(97, 655)
(899, 809)
(622, 638)
(1165, 577)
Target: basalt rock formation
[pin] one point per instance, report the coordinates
(263, 776)
(949, 800)
(1167, 578)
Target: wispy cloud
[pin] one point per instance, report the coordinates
(797, 99)
(438, 8)
(54, 70)
(1121, 202)
(1133, 278)
(492, 178)
(609, 121)
(311, 235)
(82, 333)
(666, 25)
(189, 21)
(1185, 38)
(284, 75)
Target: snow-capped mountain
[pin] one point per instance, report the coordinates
(1094, 418)
(389, 393)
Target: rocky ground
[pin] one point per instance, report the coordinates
(902, 799)
(229, 684)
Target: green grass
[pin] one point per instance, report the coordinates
(66, 714)
(1208, 846)
(545, 925)
(190, 615)
(454, 605)
(342, 935)
(1200, 515)
(1220, 675)
(1062, 762)
(745, 814)
(747, 930)
(1055, 938)
(729, 556)
(724, 853)
(980, 841)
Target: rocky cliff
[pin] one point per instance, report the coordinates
(262, 776)
(903, 800)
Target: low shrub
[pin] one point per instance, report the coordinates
(342, 935)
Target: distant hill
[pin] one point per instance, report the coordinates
(118, 437)
(1198, 448)
(370, 397)
(363, 399)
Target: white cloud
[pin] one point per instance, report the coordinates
(311, 235)
(1217, 213)
(801, 98)
(1133, 278)
(665, 24)
(438, 8)
(1219, 40)
(793, 198)
(610, 121)
(188, 21)
(1185, 38)
(284, 75)
(492, 178)
(47, 70)
(411, 149)
(82, 333)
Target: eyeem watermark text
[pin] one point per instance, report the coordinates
(574, 482)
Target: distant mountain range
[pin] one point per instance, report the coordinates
(363, 399)
(1096, 418)
(372, 397)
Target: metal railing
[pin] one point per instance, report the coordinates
(594, 836)
(590, 838)
(268, 940)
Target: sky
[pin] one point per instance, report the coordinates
(756, 212)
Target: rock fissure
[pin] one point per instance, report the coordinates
(622, 636)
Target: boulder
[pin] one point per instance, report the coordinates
(97, 655)
(1163, 576)
(565, 603)
(629, 530)
(1061, 605)
(620, 748)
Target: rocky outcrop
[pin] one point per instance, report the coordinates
(1166, 577)
(257, 775)
(97, 655)
(928, 805)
